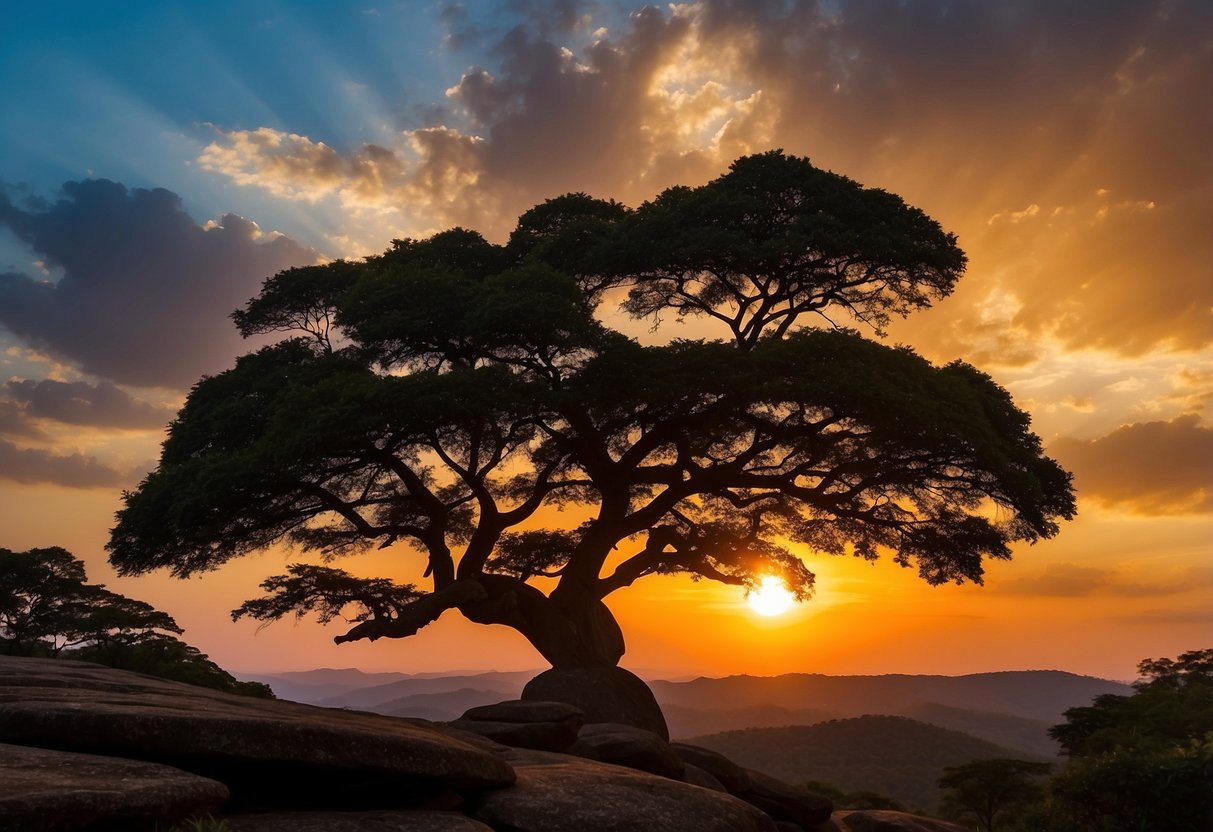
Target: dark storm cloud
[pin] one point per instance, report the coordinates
(81, 403)
(146, 292)
(32, 466)
(1146, 468)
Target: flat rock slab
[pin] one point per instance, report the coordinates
(354, 822)
(57, 790)
(518, 710)
(542, 736)
(270, 753)
(558, 793)
(881, 820)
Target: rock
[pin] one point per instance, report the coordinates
(56, 790)
(624, 745)
(696, 776)
(732, 776)
(545, 726)
(520, 710)
(558, 793)
(604, 694)
(354, 822)
(882, 820)
(270, 753)
(541, 736)
(784, 802)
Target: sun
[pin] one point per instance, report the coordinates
(771, 597)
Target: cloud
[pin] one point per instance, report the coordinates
(1065, 142)
(1146, 467)
(80, 403)
(30, 466)
(1068, 580)
(146, 292)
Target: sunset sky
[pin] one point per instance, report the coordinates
(156, 167)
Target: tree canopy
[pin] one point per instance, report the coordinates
(440, 399)
(48, 609)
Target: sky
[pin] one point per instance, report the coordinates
(156, 166)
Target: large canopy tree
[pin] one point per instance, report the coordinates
(441, 399)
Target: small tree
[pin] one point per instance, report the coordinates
(48, 609)
(441, 399)
(991, 792)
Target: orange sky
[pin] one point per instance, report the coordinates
(1069, 153)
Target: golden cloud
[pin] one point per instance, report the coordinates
(1063, 142)
(1145, 468)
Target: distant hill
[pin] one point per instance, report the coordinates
(439, 707)
(376, 697)
(690, 722)
(1031, 694)
(1029, 736)
(312, 686)
(891, 755)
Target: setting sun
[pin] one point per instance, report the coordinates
(771, 598)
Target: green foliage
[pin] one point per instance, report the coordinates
(992, 792)
(1145, 761)
(47, 609)
(442, 394)
(327, 592)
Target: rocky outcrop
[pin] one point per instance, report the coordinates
(784, 802)
(54, 790)
(557, 793)
(269, 753)
(543, 726)
(355, 822)
(603, 694)
(730, 775)
(872, 820)
(623, 745)
(307, 769)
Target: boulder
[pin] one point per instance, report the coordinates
(57, 790)
(520, 710)
(732, 776)
(882, 820)
(624, 745)
(696, 776)
(270, 753)
(541, 736)
(545, 726)
(354, 822)
(604, 694)
(558, 793)
(784, 802)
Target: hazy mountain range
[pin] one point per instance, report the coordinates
(1011, 709)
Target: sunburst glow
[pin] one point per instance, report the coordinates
(771, 597)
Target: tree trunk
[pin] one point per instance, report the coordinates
(571, 629)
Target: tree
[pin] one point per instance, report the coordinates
(1143, 761)
(48, 609)
(439, 400)
(991, 791)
